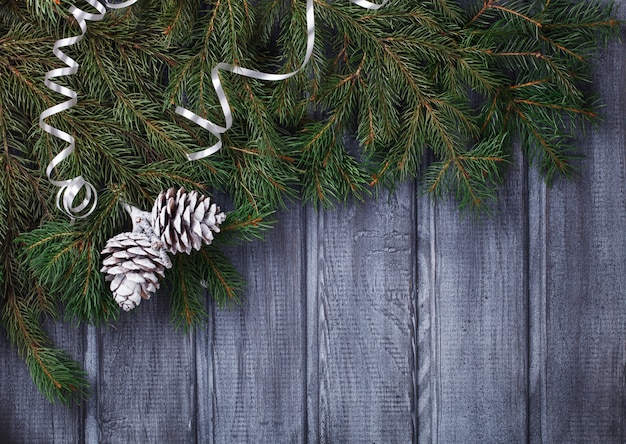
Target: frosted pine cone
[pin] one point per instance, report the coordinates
(133, 265)
(185, 221)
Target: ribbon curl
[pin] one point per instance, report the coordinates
(69, 189)
(218, 130)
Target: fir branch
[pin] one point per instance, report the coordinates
(223, 280)
(245, 223)
(56, 375)
(178, 18)
(66, 262)
(329, 172)
(470, 174)
(186, 297)
(259, 178)
(551, 154)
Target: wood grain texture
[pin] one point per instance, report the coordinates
(363, 363)
(145, 385)
(256, 353)
(582, 332)
(428, 352)
(472, 311)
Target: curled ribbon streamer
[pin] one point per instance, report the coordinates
(70, 188)
(218, 130)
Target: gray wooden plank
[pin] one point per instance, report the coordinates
(363, 305)
(580, 390)
(427, 340)
(312, 328)
(91, 360)
(146, 378)
(25, 415)
(254, 387)
(205, 395)
(537, 307)
(472, 320)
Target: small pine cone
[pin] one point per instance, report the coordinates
(184, 221)
(133, 265)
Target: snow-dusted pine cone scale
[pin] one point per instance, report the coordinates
(185, 221)
(133, 265)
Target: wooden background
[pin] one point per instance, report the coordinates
(394, 321)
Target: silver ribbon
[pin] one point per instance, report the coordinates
(69, 189)
(218, 130)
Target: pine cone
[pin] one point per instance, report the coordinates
(133, 265)
(185, 220)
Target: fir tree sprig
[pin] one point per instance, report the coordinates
(56, 376)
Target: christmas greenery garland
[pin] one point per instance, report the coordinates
(428, 88)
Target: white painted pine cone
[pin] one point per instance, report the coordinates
(185, 221)
(133, 266)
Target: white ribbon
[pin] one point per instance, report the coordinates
(218, 130)
(69, 189)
